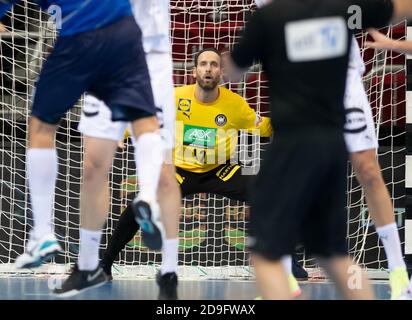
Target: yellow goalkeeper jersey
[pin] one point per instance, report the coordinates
(207, 133)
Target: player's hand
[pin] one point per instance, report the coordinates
(2, 28)
(380, 41)
(258, 121)
(225, 65)
(231, 73)
(121, 145)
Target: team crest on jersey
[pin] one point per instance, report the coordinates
(220, 120)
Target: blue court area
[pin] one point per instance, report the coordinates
(28, 288)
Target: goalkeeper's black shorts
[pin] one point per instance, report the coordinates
(299, 196)
(228, 180)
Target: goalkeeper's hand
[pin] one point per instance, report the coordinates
(121, 145)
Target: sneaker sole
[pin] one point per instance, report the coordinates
(43, 259)
(152, 240)
(72, 293)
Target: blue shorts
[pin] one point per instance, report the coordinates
(109, 63)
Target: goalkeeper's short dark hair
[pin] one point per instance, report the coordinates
(206, 50)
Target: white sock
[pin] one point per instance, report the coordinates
(390, 238)
(149, 159)
(42, 166)
(170, 252)
(89, 249)
(287, 264)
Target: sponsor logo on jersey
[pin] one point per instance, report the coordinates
(184, 105)
(355, 120)
(227, 171)
(90, 114)
(316, 39)
(220, 120)
(199, 136)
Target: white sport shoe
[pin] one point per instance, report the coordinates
(38, 252)
(147, 215)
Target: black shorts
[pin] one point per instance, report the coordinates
(227, 180)
(299, 197)
(109, 63)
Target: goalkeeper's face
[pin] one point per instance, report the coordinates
(208, 71)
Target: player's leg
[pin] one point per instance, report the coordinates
(160, 68)
(101, 134)
(125, 87)
(232, 181)
(380, 208)
(274, 224)
(170, 200)
(57, 90)
(271, 278)
(361, 141)
(100, 137)
(329, 246)
(351, 281)
(127, 226)
(124, 232)
(325, 228)
(42, 166)
(170, 205)
(94, 200)
(174, 184)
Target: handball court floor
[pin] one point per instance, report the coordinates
(29, 288)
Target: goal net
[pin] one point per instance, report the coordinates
(212, 228)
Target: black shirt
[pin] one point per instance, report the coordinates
(304, 46)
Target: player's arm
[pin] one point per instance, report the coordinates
(401, 9)
(383, 42)
(231, 72)
(249, 48)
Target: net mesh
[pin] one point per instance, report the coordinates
(212, 228)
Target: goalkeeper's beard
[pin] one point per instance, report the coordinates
(208, 86)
